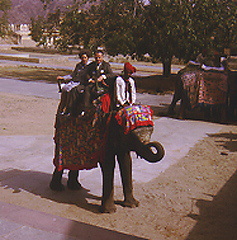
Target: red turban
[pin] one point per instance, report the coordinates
(129, 68)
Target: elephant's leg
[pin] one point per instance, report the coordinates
(107, 205)
(56, 181)
(175, 99)
(72, 182)
(125, 165)
(183, 107)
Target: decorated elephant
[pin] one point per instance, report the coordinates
(83, 142)
(205, 88)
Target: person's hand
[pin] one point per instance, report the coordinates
(59, 78)
(91, 81)
(100, 79)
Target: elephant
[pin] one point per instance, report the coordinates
(118, 144)
(232, 95)
(192, 71)
(193, 88)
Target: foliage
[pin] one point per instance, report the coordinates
(185, 28)
(75, 29)
(117, 24)
(4, 6)
(162, 28)
(36, 29)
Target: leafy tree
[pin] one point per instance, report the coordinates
(184, 28)
(75, 28)
(117, 24)
(4, 6)
(162, 28)
(37, 30)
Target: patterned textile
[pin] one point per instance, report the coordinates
(131, 117)
(213, 88)
(191, 81)
(79, 144)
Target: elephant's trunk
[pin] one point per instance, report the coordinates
(150, 151)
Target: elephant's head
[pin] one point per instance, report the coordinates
(136, 126)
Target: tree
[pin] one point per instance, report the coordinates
(4, 25)
(37, 30)
(184, 28)
(117, 24)
(75, 28)
(167, 31)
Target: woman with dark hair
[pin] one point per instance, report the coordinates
(71, 81)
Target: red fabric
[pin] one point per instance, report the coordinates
(105, 103)
(129, 68)
(79, 144)
(132, 117)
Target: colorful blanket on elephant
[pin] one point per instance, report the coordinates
(213, 88)
(131, 117)
(79, 144)
(191, 81)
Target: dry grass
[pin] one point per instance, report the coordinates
(32, 73)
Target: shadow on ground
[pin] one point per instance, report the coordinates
(38, 183)
(226, 140)
(218, 218)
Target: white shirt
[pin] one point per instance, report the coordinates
(122, 95)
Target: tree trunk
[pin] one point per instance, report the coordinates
(166, 67)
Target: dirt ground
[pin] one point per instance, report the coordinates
(193, 199)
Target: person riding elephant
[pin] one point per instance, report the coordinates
(125, 89)
(98, 74)
(68, 82)
(97, 80)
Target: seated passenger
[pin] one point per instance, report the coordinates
(98, 73)
(72, 80)
(125, 89)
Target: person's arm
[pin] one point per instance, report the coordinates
(65, 78)
(133, 90)
(120, 91)
(108, 73)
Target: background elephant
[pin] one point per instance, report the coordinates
(206, 89)
(118, 144)
(232, 95)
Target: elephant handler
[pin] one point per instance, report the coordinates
(125, 89)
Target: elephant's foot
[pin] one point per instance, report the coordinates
(132, 203)
(55, 186)
(108, 208)
(56, 182)
(170, 112)
(74, 185)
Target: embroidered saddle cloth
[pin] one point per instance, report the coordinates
(131, 117)
(213, 88)
(79, 144)
(191, 82)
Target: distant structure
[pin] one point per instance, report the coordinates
(19, 17)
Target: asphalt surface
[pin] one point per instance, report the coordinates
(35, 153)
